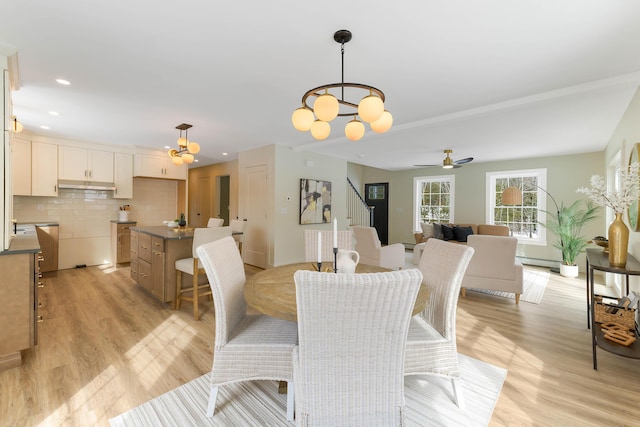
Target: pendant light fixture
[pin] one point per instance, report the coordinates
(326, 106)
(186, 148)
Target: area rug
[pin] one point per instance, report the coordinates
(534, 283)
(429, 402)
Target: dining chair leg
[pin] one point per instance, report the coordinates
(213, 395)
(196, 314)
(457, 392)
(178, 299)
(290, 400)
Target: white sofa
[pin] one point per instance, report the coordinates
(494, 265)
(372, 252)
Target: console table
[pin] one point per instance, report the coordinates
(597, 259)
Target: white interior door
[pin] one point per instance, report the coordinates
(254, 247)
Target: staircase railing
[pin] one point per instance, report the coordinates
(357, 209)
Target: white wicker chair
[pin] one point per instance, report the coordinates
(345, 241)
(193, 267)
(215, 222)
(352, 328)
(431, 343)
(247, 347)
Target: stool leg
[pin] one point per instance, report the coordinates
(196, 314)
(178, 289)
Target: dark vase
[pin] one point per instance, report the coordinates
(182, 221)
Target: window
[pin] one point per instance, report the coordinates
(523, 220)
(433, 200)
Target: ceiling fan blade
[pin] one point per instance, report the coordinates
(462, 161)
(426, 166)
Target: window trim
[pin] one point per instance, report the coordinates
(541, 174)
(416, 198)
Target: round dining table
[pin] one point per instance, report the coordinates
(273, 291)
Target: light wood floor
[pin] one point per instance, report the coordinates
(106, 346)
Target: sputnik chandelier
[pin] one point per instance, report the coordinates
(326, 106)
(186, 148)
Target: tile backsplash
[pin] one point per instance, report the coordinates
(85, 216)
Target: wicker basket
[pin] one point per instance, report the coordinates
(625, 317)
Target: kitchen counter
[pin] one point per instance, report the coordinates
(165, 232)
(26, 241)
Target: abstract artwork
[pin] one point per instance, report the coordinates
(315, 201)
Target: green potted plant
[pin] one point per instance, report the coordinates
(567, 225)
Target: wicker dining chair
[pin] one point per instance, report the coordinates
(431, 343)
(215, 222)
(345, 241)
(247, 347)
(352, 329)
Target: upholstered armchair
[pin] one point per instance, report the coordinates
(494, 265)
(373, 253)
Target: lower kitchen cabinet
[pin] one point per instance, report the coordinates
(121, 241)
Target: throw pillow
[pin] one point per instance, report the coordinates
(462, 233)
(427, 229)
(448, 233)
(437, 231)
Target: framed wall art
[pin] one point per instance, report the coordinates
(315, 201)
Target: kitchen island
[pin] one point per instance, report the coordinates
(154, 251)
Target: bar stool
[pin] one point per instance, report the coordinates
(237, 226)
(215, 222)
(193, 267)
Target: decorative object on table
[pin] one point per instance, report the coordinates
(186, 148)
(182, 221)
(619, 201)
(171, 224)
(326, 106)
(618, 333)
(602, 242)
(608, 310)
(346, 261)
(315, 201)
(567, 226)
(123, 213)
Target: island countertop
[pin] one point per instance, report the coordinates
(166, 232)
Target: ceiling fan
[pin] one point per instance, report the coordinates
(449, 163)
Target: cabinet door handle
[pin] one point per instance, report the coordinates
(40, 284)
(40, 319)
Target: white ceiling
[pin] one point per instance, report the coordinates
(493, 80)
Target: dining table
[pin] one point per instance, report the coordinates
(273, 291)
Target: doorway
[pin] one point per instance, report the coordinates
(223, 198)
(377, 195)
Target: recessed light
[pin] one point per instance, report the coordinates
(166, 147)
(44, 127)
(196, 160)
(54, 113)
(225, 154)
(360, 156)
(63, 82)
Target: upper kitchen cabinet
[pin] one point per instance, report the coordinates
(34, 168)
(123, 176)
(150, 166)
(80, 164)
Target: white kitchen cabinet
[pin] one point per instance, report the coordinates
(123, 176)
(44, 169)
(21, 166)
(80, 164)
(151, 166)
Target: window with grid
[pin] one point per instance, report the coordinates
(433, 199)
(523, 220)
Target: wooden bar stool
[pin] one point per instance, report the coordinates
(193, 267)
(237, 226)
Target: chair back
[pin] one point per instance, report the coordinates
(225, 271)
(443, 266)
(495, 256)
(206, 235)
(345, 241)
(237, 225)
(215, 222)
(352, 331)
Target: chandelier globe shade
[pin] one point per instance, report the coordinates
(177, 160)
(329, 102)
(354, 130)
(193, 147)
(320, 130)
(370, 108)
(302, 119)
(383, 124)
(187, 158)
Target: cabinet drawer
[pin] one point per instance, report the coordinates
(144, 274)
(157, 244)
(134, 269)
(124, 228)
(144, 247)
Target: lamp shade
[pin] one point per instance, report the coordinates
(302, 119)
(354, 130)
(193, 147)
(511, 196)
(320, 130)
(326, 107)
(383, 124)
(177, 160)
(370, 108)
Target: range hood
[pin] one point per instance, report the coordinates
(86, 185)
